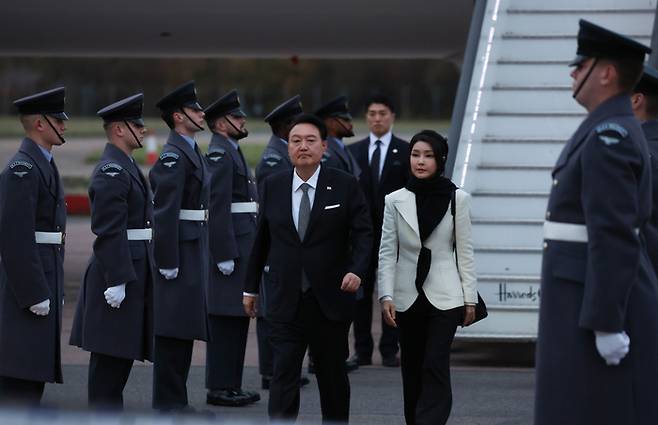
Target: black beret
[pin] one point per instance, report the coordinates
(50, 102)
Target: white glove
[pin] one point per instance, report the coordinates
(226, 267)
(114, 295)
(42, 308)
(612, 346)
(169, 274)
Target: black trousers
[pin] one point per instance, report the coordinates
(327, 340)
(225, 354)
(107, 379)
(20, 392)
(171, 366)
(363, 343)
(426, 334)
(265, 355)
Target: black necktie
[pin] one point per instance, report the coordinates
(375, 161)
(55, 173)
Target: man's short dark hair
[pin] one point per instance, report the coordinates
(380, 98)
(312, 120)
(629, 72)
(168, 118)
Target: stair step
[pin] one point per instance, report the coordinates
(508, 221)
(519, 167)
(525, 261)
(512, 194)
(532, 62)
(531, 88)
(507, 234)
(508, 278)
(523, 140)
(536, 114)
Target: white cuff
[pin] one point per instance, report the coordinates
(249, 294)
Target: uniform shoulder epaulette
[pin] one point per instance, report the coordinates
(271, 159)
(111, 169)
(216, 154)
(611, 133)
(20, 168)
(169, 159)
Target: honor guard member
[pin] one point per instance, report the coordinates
(275, 158)
(232, 228)
(645, 106)
(32, 225)
(114, 316)
(181, 191)
(598, 317)
(336, 116)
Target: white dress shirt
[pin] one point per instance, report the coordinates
(297, 192)
(386, 141)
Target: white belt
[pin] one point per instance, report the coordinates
(244, 207)
(140, 234)
(568, 232)
(53, 238)
(194, 215)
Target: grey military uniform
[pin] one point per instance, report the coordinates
(338, 156)
(275, 158)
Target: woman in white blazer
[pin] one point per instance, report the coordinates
(422, 289)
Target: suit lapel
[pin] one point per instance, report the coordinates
(287, 208)
(406, 206)
(319, 201)
(30, 148)
(392, 155)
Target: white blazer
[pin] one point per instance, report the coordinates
(445, 286)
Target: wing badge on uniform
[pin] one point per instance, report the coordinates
(216, 155)
(24, 168)
(112, 169)
(171, 156)
(272, 160)
(611, 133)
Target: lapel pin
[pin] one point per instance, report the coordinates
(395, 150)
(328, 187)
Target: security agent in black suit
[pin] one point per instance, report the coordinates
(336, 116)
(32, 225)
(645, 106)
(315, 234)
(232, 228)
(598, 317)
(181, 188)
(274, 159)
(114, 315)
(384, 162)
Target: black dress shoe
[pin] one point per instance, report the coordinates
(391, 361)
(228, 397)
(360, 360)
(351, 365)
(254, 396)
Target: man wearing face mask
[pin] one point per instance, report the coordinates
(598, 317)
(181, 192)
(232, 228)
(114, 316)
(32, 226)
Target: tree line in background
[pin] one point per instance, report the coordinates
(422, 88)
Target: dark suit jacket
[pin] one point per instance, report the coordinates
(395, 175)
(650, 129)
(338, 240)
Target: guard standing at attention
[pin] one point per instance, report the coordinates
(181, 192)
(232, 228)
(645, 107)
(275, 158)
(598, 317)
(33, 226)
(114, 316)
(336, 116)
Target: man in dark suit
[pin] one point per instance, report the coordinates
(181, 193)
(645, 106)
(274, 159)
(32, 226)
(384, 162)
(114, 316)
(232, 228)
(315, 235)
